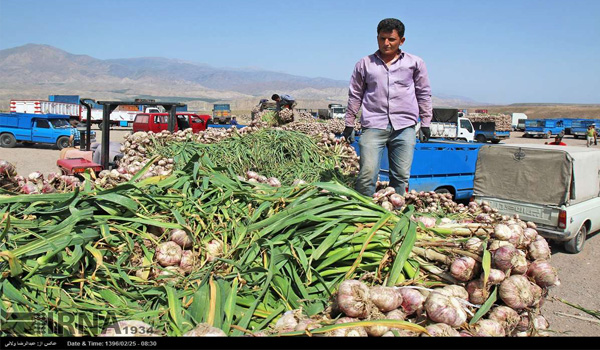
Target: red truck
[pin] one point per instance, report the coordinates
(157, 122)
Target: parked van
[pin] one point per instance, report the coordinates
(157, 122)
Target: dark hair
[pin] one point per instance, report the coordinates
(389, 24)
(275, 97)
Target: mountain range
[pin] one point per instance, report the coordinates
(35, 71)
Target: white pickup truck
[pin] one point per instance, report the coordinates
(449, 123)
(556, 187)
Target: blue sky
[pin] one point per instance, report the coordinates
(536, 51)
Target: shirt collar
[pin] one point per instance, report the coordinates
(378, 54)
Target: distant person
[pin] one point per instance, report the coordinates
(557, 141)
(591, 135)
(182, 122)
(233, 121)
(284, 101)
(595, 134)
(392, 86)
(74, 137)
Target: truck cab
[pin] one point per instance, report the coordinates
(462, 129)
(333, 111)
(34, 128)
(157, 122)
(579, 127)
(221, 113)
(544, 128)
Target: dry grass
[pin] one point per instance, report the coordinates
(545, 111)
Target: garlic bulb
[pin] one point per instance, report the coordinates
(516, 292)
(507, 317)
(488, 328)
(412, 300)
(385, 298)
(463, 268)
(168, 254)
(214, 249)
(502, 232)
(453, 290)
(543, 274)
(495, 277)
(539, 249)
(181, 238)
(474, 244)
(353, 299)
(287, 322)
(477, 293)
(350, 331)
(443, 309)
(205, 330)
(396, 200)
(188, 261)
(441, 330)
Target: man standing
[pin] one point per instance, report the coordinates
(74, 137)
(393, 89)
(590, 135)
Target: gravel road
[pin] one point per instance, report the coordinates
(579, 274)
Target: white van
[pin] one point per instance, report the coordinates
(515, 119)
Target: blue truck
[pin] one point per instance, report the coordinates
(34, 128)
(580, 126)
(441, 166)
(544, 128)
(487, 131)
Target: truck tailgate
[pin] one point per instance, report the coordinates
(542, 215)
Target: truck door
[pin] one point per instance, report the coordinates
(42, 131)
(160, 121)
(465, 130)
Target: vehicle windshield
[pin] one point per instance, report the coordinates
(339, 110)
(581, 123)
(534, 123)
(60, 123)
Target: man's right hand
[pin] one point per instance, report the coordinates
(349, 134)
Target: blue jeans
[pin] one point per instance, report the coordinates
(401, 146)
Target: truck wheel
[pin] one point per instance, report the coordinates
(62, 142)
(481, 139)
(443, 190)
(7, 140)
(575, 245)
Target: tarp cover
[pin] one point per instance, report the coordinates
(445, 115)
(538, 174)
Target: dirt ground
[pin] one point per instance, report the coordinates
(579, 274)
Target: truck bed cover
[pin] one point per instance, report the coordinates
(539, 174)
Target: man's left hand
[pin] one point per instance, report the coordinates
(426, 133)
